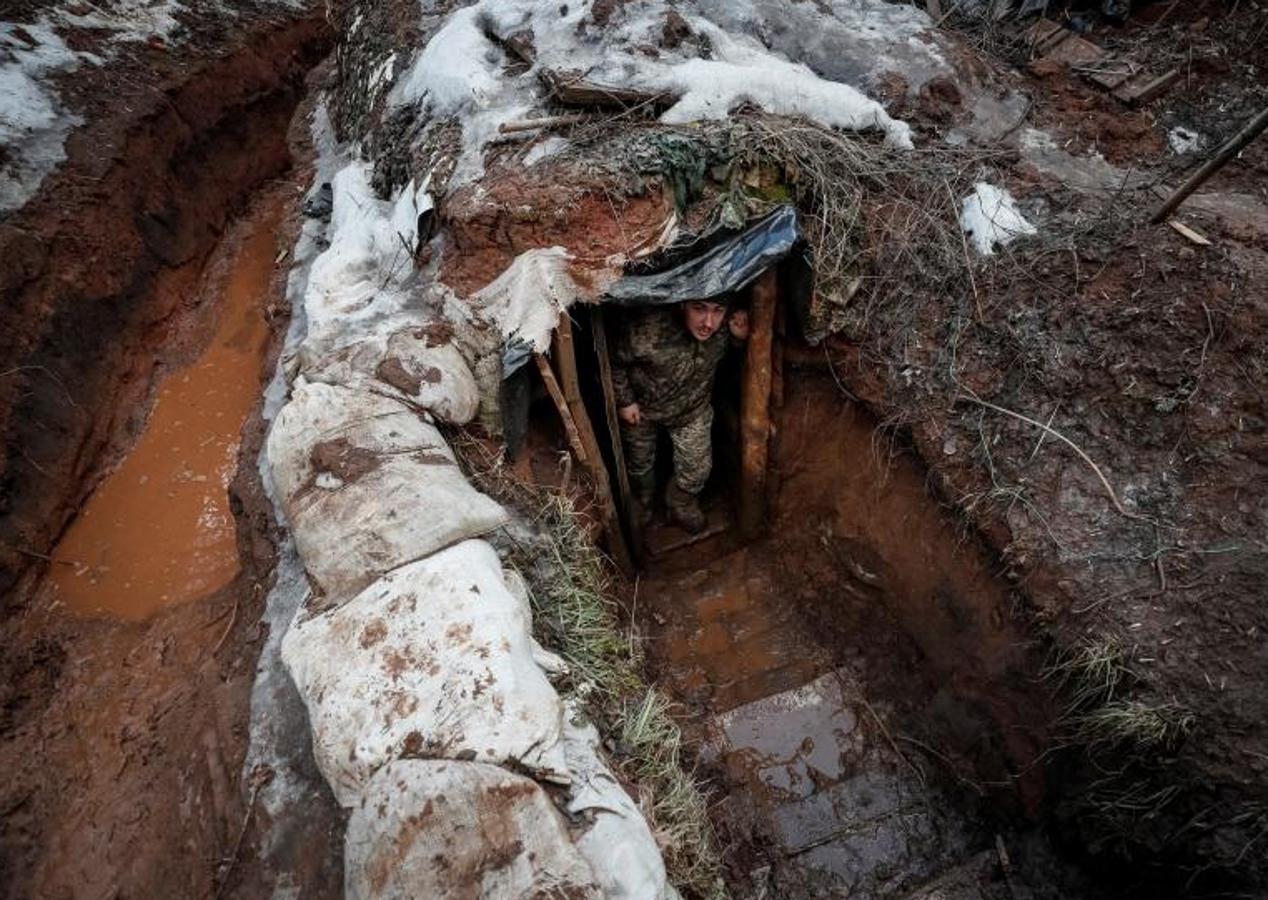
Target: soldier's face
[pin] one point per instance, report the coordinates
(704, 318)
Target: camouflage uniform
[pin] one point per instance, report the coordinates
(661, 366)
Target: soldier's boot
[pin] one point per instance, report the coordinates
(644, 489)
(684, 509)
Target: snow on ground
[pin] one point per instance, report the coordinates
(990, 218)
(1184, 140)
(462, 71)
(34, 124)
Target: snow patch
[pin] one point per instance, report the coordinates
(742, 73)
(990, 218)
(33, 125)
(462, 72)
(1184, 140)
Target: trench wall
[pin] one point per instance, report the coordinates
(100, 259)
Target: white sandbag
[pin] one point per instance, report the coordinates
(551, 663)
(407, 358)
(433, 660)
(617, 844)
(455, 831)
(367, 486)
(360, 279)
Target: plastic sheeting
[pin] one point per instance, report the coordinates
(456, 831)
(367, 485)
(724, 268)
(433, 660)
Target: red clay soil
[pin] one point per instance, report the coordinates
(122, 742)
(510, 212)
(1148, 353)
(111, 247)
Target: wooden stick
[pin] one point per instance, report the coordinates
(561, 405)
(598, 328)
(1234, 146)
(755, 400)
(566, 359)
(547, 122)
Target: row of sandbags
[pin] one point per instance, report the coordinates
(432, 714)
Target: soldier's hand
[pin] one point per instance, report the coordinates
(738, 323)
(630, 415)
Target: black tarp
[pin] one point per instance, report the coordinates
(724, 268)
(727, 264)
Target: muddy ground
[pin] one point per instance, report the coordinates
(123, 742)
(948, 580)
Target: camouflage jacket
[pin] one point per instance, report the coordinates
(659, 365)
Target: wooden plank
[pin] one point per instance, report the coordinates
(598, 329)
(566, 360)
(755, 402)
(1189, 233)
(571, 89)
(1075, 51)
(1142, 89)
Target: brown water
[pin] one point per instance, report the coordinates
(159, 530)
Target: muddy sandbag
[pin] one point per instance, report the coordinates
(367, 486)
(434, 660)
(616, 842)
(409, 360)
(455, 831)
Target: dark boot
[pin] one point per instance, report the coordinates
(644, 489)
(684, 509)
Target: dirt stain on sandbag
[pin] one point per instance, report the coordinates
(392, 371)
(344, 460)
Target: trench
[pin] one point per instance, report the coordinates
(137, 540)
(859, 680)
(159, 530)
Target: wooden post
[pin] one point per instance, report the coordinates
(566, 361)
(598, 328)
(755, 398)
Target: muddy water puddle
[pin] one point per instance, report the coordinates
(159, 530)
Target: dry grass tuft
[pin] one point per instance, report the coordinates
(576, 616)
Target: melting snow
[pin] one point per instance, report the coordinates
(33, 126)
(1184, 140)
(462, 73)
(990, 217)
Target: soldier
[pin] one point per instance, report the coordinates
(663, 374)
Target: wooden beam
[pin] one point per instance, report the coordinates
(571, 89)
(755, 402)
(598, 328)
(566, 360)
(1234, 146)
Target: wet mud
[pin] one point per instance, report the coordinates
(856, 680)
(159, 530)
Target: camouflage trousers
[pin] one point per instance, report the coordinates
(692, 437)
